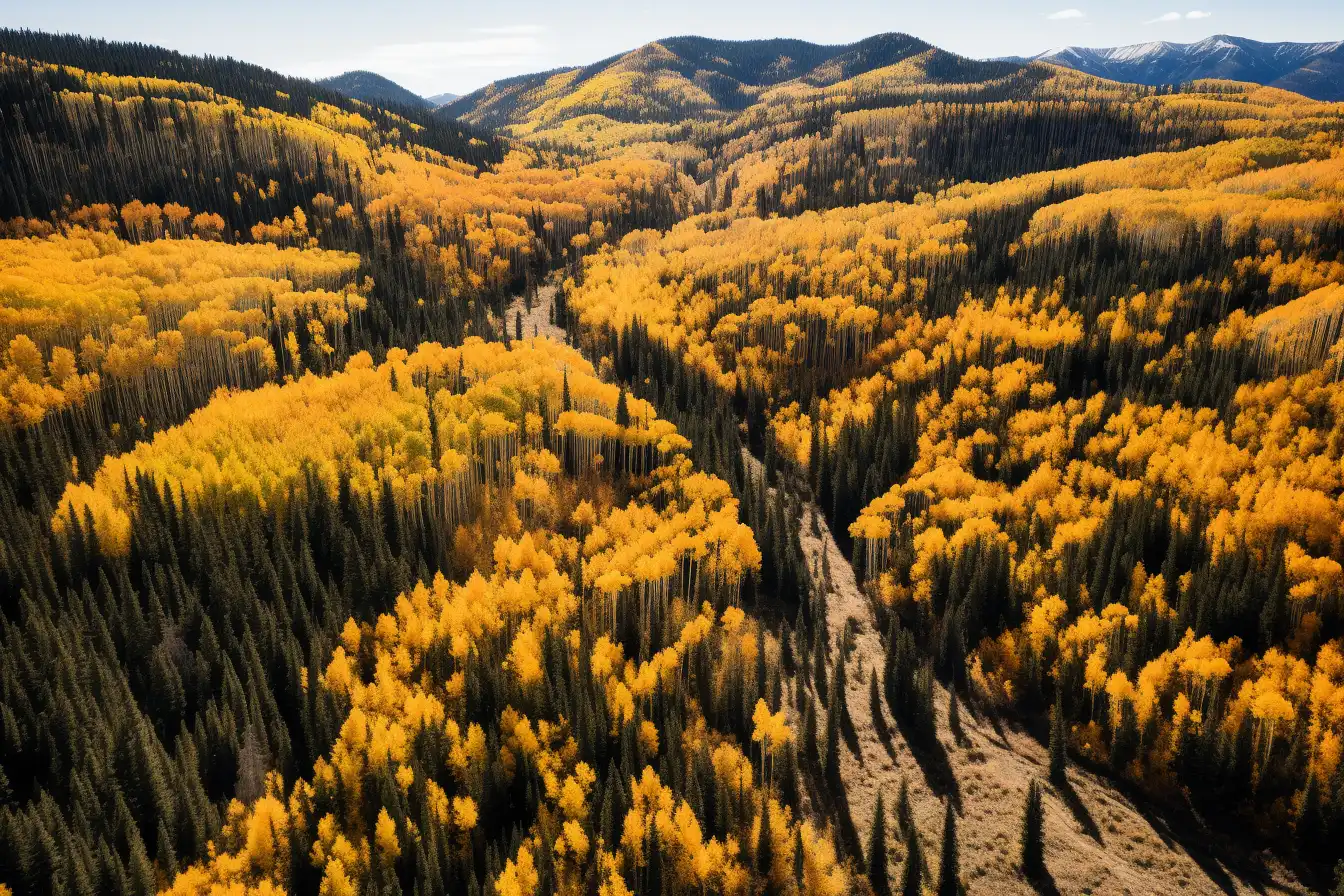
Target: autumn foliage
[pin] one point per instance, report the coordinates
(329, 577)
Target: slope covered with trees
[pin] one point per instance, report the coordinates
(583, 687)
(250, 84)
(375, 90)
(171, 175)
(1044, 412)
(782, 127)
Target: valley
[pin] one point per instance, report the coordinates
(733, 467)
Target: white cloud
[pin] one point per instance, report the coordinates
(1066, 14)
(1176, 17)
(511, 29)
(482, 52)
(428, 66)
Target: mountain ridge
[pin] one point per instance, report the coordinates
(1315, 70)
(707, 76)
(374, 89)
(252, 84)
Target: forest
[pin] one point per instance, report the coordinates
(729, 468)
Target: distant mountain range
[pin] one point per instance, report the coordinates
(1314, 70)
(687, 77)
(723, 75)
(376, 90)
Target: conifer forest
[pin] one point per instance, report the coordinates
(727, 468)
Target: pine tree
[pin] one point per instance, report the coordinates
(1125, 739)
(810, 732)
(819, 662)
(1059, 757)
(875, 701)
(831, 760)
(840, 689)
(949, 880)
(606, 826)
(654, 871)
(799, 859)
(1311, 824)
(831, 766)
(166, 856)
(765, 849)
(877, 851)
(1033, 833)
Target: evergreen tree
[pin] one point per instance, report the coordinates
(799, 861)
(877, 851)
(765, 850)
(831, 766)
(875, 700)
(1059, 756)
(1125, 741)
(840, 689)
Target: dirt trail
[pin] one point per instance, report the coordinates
(1097, 840)
(537, 321)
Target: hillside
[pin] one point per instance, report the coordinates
(376, 90)
(681, 78)
(251, 84)
(1315, 70)
(775, 126)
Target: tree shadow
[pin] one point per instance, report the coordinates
(884, 732)
(932, 759)
(844, 819)
(1216, 857)
(849, 732)
(1216, 849)
(1043, 883)
(831, 796)
(1079, 810)
(985, 716)
(1207, 863)
(959, 736)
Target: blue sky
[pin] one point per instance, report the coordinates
(453, 45)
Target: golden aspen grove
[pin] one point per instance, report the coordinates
(729, 468)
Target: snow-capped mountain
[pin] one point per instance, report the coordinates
(1315, 69)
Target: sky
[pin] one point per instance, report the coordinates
(438, 46)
